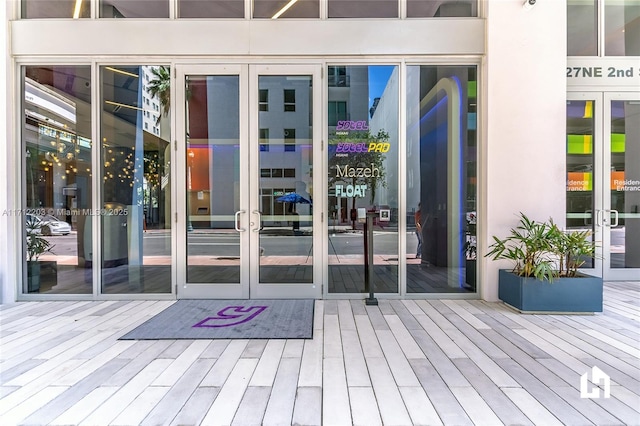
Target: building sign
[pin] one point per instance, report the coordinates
(620, 72)
(583, 181)
(356, 159)
(579, 181)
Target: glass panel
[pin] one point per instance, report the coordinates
(625, 183)
(57, 179)
(134, 8)
(286, 240)
(213, 179)
(582, 27)
(56, 9)
(441, 179)
(622, 27)
(441, 8)
(279, 9)
(580, 164)
(363, 173)
(136, 198)
(363, 8)
(211, 9)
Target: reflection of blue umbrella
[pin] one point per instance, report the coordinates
(293, 198)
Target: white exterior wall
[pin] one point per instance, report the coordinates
(524, 138)
(8, 178)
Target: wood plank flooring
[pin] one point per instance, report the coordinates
(404, 362)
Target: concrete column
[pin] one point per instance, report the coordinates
(524, 99)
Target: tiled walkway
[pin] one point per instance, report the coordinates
(401, 363)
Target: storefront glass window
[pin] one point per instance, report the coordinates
(441, 179)
(55, 9)
(134, 8)
(363, 173)
(57, 175)
(211, 9)
(582, 25)
(622, 27)
(438, 8)
(363, 8)
(136, 200)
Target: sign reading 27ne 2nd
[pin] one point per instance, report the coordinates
(619, 72)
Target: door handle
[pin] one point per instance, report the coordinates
(615, 218)
(236, 221)
(605, 220)
(259, 213)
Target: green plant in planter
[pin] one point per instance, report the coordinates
(36, 243)
(36, 246)
(542, 250)
(529, 248)
(572, 248)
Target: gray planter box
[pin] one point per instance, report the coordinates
(582, 294)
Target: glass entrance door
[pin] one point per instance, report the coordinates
(603, 178)
(620, 215)
(246, 151)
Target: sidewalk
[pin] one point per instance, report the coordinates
(400, 363)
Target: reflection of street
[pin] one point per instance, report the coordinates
(158, 243)
(617, 244)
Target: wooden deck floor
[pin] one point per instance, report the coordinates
(401, 363)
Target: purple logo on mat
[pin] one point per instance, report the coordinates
(231, 315)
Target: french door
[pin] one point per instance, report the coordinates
(248, 140)
(603, 178)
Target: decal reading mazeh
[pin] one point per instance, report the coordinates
(348, 171)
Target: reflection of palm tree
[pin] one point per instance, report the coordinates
(160, 86)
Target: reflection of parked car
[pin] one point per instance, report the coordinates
(48, 225)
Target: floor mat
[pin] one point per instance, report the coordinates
(229, 319)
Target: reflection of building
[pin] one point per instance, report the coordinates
(285, 149)
(384, 115)
(57, 157)
(348, 92)
(286, 153)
